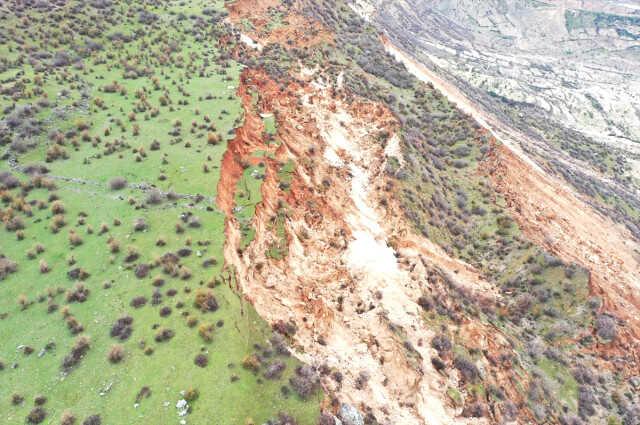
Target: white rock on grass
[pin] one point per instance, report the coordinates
(183, 407)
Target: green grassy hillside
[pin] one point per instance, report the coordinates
(115, 119)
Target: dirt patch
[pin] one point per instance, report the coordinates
(266, 22)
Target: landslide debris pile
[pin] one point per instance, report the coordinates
(380, 204)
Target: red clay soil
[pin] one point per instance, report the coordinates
(247, 139)
(250, 9)
(295, 30)
(304, 286)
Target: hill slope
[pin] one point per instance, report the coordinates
(299, 228)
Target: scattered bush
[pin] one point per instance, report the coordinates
(191, 394)
(192, 321)
(305, 382)
(79, 293)
(205, 300)
(104, 228)
(140, 224)
(16, 399)
(467, 369)
(201, 360)
(142, 270)
(23, 302)
(277, 341)
(441, 343)
(251, 363)
(132, 255)
(74, 238)
(116, 353)
(285, 419)
(205, 331)
(584, 375)
(285, 328)
(37, 415)
(185, 274)
(67, 418)
(138, 302)
(8, 180)
(474, 410)
(74, 325)
(362, 380)
(93, 420)
(78, 273)
(194, 222)
(78, 351)
(156, 297)
(114, 246)
(587, 402)
(145, 392)
(425, 303)
(275, 370)
(13, 224)
(606, 327)
(44, 267)
(57, 207)
(7, 267)
(438, 364)
(154, 197)
(123, 328)
(327, 419)
(164, 334)
(117, 183)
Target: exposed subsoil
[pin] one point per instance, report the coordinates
(354, 270)
(295, 30)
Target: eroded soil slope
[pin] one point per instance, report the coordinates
(354, 271)
(336, 263)
(553, 215)
(555, 218)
